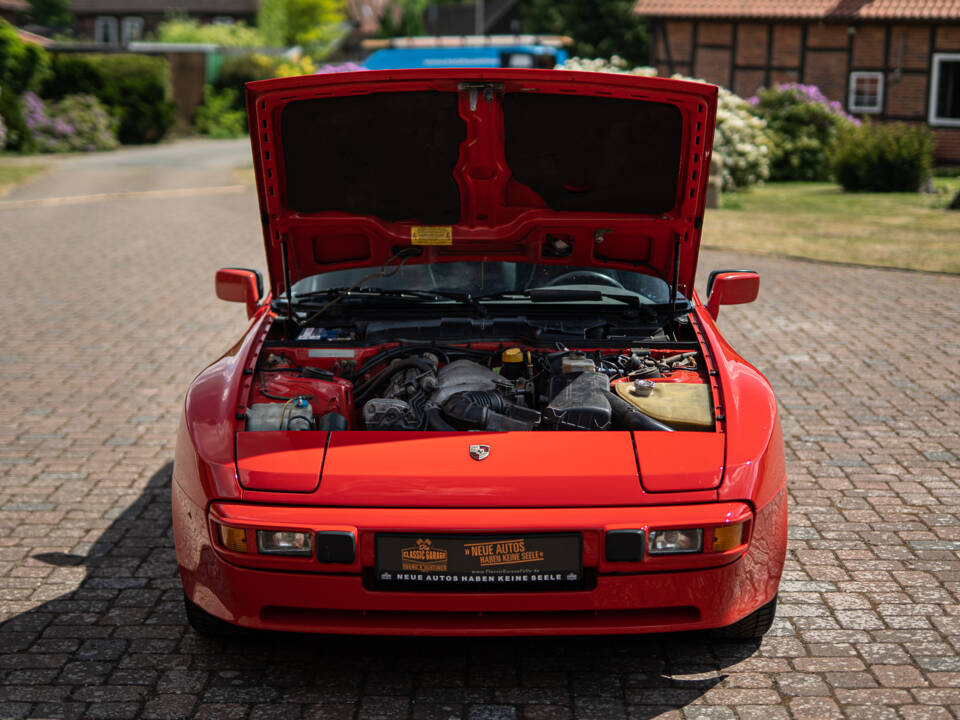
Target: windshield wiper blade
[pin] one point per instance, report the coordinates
(315, 298)
(381, 292)
(561, 295)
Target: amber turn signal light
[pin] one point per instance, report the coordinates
(233, 538)
(727, 537)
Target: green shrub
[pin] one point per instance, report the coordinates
(11, 113)
(78, 123)
(183, 30)
(135, 88)
(803, 126)
(22, 67)
(218, 116)
(883, 158)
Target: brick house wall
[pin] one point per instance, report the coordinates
(747, 55)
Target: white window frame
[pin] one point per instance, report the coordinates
(129, 22)
(110, 23)
(932, 118)
(852, 92)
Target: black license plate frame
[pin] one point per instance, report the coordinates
(478, 562)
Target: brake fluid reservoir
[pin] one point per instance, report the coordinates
(576, 362)
(684, 406)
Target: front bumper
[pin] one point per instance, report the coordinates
(302, 595)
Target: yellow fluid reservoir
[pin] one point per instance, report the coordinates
(684, 406)
(512, 355)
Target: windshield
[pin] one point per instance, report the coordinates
(491, 278)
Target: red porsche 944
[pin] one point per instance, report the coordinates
(479, 394)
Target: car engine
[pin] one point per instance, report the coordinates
(508, 389)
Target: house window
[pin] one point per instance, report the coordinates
(945, 90)
(105, 30)
(132, 29)
(866, 92)
(224, 20)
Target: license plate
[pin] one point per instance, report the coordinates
(492, 563)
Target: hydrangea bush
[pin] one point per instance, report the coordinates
(77, 123)
(339, 68)
(804, 126)
(740, 139)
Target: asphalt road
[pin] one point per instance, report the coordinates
(108, 262)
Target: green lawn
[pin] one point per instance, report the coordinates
(821, 222)
(15, 170)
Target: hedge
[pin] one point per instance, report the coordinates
(135, 88)
(883, 158)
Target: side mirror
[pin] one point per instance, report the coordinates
(240, 285)
(731, 287)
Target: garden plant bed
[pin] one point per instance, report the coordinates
(821, 222)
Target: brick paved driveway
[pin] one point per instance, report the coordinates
(110, 314)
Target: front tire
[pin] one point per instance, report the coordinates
(753, 627)
(205, 624)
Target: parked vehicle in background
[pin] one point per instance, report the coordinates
(479, 51)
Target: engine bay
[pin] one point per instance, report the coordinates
(480, 386)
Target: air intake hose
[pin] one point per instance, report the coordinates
(627, 417)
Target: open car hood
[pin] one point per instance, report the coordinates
(542, 166)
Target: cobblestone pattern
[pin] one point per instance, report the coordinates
(110, 314)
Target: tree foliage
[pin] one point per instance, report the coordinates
(404, 19)
(22, 67)
(272, 22)
(600, 28)
(315, 23)
(312, 24)
(51, 13)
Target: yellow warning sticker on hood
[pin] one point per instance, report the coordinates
(431, 235)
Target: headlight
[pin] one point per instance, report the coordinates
(284, 542)
(673, 542)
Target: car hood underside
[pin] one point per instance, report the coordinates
(585, 169)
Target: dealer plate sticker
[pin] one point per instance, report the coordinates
(431, 235)
(479, 562)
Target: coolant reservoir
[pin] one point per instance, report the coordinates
(684, 406)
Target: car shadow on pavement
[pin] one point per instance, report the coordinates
(119, 645)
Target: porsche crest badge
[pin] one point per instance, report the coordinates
(479, 452)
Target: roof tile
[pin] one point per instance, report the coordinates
(803, 9)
